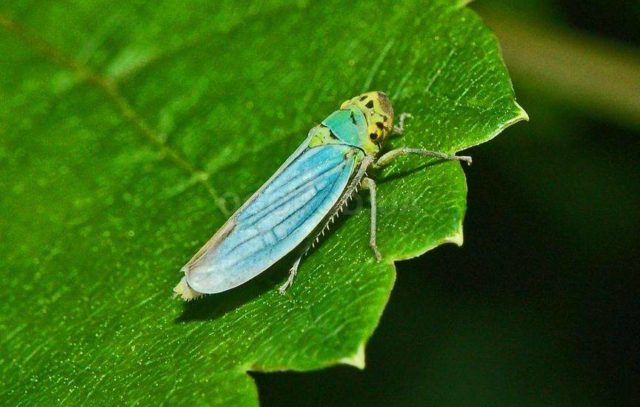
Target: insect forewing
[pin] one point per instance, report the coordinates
(276, 219)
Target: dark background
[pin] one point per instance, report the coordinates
(540, 306)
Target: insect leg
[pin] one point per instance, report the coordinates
(292, 274)
(370, 184)
(389, 156)
(399, 128)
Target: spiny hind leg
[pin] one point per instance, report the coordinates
(370, 184)
(292, 275)
(350, 190)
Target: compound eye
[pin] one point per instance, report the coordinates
(373, 136)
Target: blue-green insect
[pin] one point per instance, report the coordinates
(297, 204)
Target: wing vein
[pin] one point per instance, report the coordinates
(288, 193)
(325, 192)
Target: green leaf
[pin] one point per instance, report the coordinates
(128, 131)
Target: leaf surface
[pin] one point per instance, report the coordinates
(130, 131)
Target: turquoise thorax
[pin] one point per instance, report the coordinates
(348, 125)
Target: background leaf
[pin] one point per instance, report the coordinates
(129, 132)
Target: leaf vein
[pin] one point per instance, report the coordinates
(110, 88)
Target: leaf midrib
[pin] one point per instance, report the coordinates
(111, 90)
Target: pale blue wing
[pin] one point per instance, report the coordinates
(276, 219)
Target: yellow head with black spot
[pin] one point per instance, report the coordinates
(378, 114)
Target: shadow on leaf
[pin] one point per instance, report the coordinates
(214, 306)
